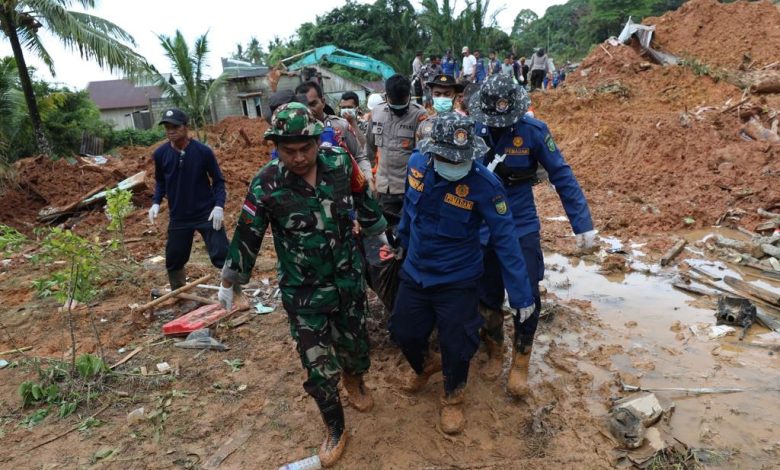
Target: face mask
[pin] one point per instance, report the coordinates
(347, 112)
(442, 104)
(450, 171)
(399, 109)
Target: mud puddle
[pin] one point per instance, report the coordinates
(649, 334)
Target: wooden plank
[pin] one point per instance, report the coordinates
(48, 214)
(231, 445)
(167, 296)
(16, 351)
(673, 252)
(127, 358)
(740, 285)
(197, 298)
(743, 247)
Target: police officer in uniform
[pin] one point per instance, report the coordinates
(525, 143)
(448, 197)
(443, 90)
(392, 132)
(306, 196)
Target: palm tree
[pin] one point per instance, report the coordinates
(95, 38)
(193, 94)
(9, 107)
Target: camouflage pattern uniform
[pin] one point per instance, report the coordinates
(319, 267)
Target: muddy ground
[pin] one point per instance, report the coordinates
(659, 153)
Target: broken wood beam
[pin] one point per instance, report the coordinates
(771, 250)
(167, 296)
(128, 357)
(673, 252)
(245, 137)
(15, 351)
(766, 214)
(766, 295)
(743, 247)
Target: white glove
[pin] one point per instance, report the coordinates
(153, 211)
(586, 240)
(216, 217)
(524, 313)
(225, 297)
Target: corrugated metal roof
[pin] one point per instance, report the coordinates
(113, 94)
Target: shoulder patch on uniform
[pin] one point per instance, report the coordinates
(500, 203)
(416, 173)
(548, 140)
(422, 118)
(416, 184)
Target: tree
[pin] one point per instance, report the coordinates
(252, 53)
(523, 20)
(10, 99)
(95, 38)
(194, 94)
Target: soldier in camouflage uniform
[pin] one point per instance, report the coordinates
(306, 196)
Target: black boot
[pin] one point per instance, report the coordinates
(336, 437)
(177, 279)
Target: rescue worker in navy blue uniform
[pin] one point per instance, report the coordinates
(525, 143)
(188, 175)
(448, 197)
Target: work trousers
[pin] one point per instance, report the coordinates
(491, 291)
(452, 309)
(537, 77)
(179, 245)
(329, 342)
(392, 208)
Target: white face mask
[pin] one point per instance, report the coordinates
(346, 112)
(452, 171)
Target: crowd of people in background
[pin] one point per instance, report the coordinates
(537, 73)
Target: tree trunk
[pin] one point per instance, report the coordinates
(27, 88)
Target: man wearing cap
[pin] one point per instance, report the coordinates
(468, 71)
(306, 196)
(448, 197)
(523, 143)
(443, 89)
(392, 132)
(187, 174)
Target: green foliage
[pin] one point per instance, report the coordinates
(235, 364)
(135, 137)
(193, 93)
(89, 366)
(48, 286)
(33, 393)
(10, 240)
(119, 204)
(69, 116)
(35, 418)
(701, 69)
(252, 53)
(79, 280)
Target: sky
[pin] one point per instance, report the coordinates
(227, 21)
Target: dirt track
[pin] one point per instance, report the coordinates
(650, 145)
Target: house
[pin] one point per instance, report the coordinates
(242, 91)
(125, 104)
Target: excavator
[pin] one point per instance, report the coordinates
(333, 55)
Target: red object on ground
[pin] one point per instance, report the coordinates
(195, 320)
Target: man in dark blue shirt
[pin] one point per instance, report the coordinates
(187, 174)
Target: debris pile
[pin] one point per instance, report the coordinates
(661, 148)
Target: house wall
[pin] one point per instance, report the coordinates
(227, 103)
(120, 117)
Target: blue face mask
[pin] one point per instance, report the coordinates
(451, 171)
(442, 104)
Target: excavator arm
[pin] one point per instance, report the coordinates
(334, 55)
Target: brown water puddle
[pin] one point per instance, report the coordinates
(642, 314)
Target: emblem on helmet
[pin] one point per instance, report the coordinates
(460, 137)
(502, 105)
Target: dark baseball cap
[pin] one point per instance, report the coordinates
(174, 116)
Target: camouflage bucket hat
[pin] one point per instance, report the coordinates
(293, 121)
(452, 137)
(500, 102)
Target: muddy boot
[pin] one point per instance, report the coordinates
(495, 362)
(517, 384)
(451, 416)
(359, 393)
(177, 279)
(415, 382)
(336, 438)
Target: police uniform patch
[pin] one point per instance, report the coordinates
(460, 137)
(416, 173)
(517, 141)
(501, 207)
(550, 144)
(462, 190)
(458, 201)
(416, 184)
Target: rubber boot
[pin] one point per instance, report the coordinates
(359, 395)
(451, 415)
(495, 361)
(517, 384)
(415, 382)
(177, 279)
(336, 438)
